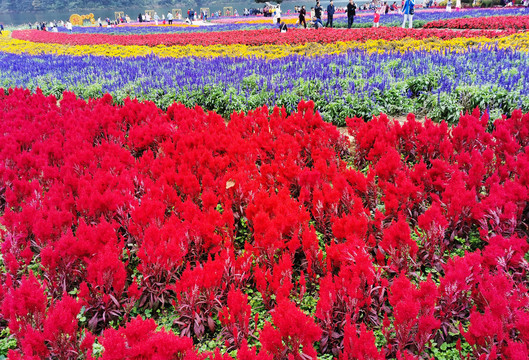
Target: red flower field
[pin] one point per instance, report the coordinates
(494, 23)
(250, 37)
(401, 237)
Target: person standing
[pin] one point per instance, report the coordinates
(156, 18)
(330, 13)
(302, 13)
(351, 13)
(318, 10)
(170, 18)
(408, 10)
(376, 18)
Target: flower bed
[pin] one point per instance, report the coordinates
(270, 230)
(134, 29)
(494, 23)
(250, 37)
(439, 84)
(429, 15)
(518, 41)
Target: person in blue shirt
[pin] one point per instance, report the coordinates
(282, 26)
(316, 23)
(330, 13)
(408, 11)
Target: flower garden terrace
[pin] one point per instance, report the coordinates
(394, 71)
(254, 37)
(235, 230)
(272, 226)
(437, 84)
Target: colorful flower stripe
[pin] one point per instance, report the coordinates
(285, 19)
(500, 22)
(252, 37)
(388, 82)
(150, 24)
(519, 41)
(162, 29)
(433, 15)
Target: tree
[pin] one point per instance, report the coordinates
(37, 4)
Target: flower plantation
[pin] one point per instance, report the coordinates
(182, 191)
(271, 236)
(494, 23)
(253, 37)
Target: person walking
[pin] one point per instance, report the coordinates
(302, 13)
(408, 10)
(330, 13)
(351, 13)
(318, 10)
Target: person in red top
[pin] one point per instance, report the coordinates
(376, 20)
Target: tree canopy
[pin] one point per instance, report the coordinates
(36, 5)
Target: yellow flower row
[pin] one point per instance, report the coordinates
(519, 41)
